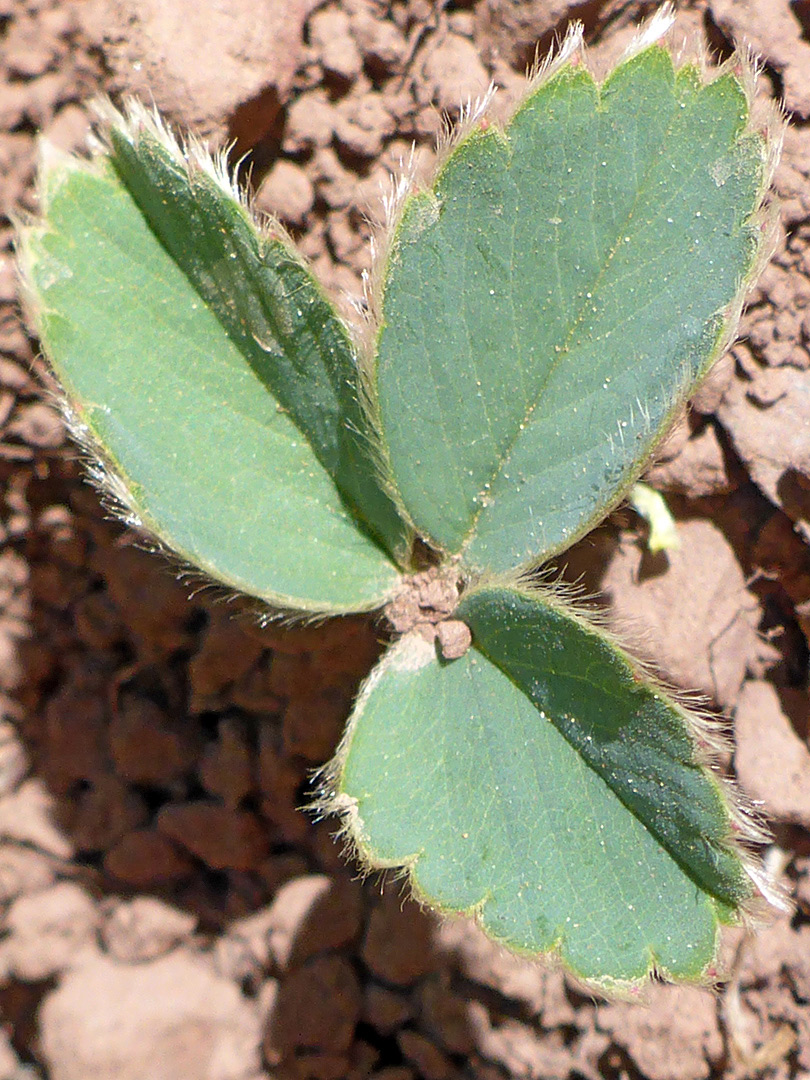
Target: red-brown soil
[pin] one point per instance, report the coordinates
(167, 911)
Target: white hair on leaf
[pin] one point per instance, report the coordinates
(652, 30)
(571, 46)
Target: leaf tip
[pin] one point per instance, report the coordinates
(471, 115)
(652, 30)
(569, 51)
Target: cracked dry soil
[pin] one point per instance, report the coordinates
(167, 912)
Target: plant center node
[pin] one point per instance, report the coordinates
(425, 605)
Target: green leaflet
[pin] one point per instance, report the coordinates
(537, 782)
(627, 731)
(271, 308)
(586, 258)
(213, 462)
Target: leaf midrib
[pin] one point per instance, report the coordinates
(660, 840)
(251, 262)
(208, 357)
(503, 457)
(329, 438)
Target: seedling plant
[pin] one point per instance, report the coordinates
(536, 318)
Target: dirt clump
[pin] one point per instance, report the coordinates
(777, 34)
(699, 621)
(201, 66)
(163, 1018)
(771, 728)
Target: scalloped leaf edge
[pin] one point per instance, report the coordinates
(117, 492)
(710, 737)
(770, 125)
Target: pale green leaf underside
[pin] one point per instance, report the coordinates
(628, 731)
(215, 466)
(270, 306)
(535, 781)
(552, 300)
